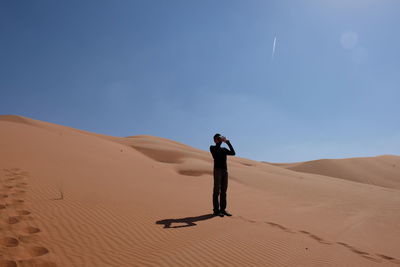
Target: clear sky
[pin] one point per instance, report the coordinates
(186, 70)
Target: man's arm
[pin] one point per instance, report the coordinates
(230, 151)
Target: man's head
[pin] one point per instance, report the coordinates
(217, 138)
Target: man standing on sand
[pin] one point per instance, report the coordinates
(220, 174)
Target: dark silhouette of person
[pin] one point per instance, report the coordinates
(220, 174)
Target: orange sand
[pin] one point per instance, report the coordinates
(74, 198)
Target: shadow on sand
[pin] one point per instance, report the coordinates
(187, 221)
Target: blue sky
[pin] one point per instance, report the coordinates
(185, 70)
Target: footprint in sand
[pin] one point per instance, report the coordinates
(8, 263)
(385, 257)
(38, 251)
(13, 195)
(28, 238)
(322, 241)
(353, 249)
(279, 226)
(10, 242)
(12, 220)
(391, 259)
(363, 254)
(23, 212)
(15, 203)
(31, 230)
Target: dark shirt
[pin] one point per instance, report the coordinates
(219, 154)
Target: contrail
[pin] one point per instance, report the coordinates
(273, 48)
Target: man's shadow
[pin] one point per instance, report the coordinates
(188, 221)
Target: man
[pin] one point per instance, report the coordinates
(220, 174)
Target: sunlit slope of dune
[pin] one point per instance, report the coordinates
(49, 126)
(381, 170)
(75, 198)
(304, 194)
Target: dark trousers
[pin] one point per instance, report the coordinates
(220, 186)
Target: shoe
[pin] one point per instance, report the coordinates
(217, 213)
(225, 213)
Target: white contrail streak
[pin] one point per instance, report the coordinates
(273, 48)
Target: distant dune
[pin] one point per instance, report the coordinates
(73, 198)
(381, 171)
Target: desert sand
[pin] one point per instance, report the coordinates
(74, 198)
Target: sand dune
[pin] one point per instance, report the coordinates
(74, 198)
(380, 171)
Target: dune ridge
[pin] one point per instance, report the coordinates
(380, 170)
(94, 200)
